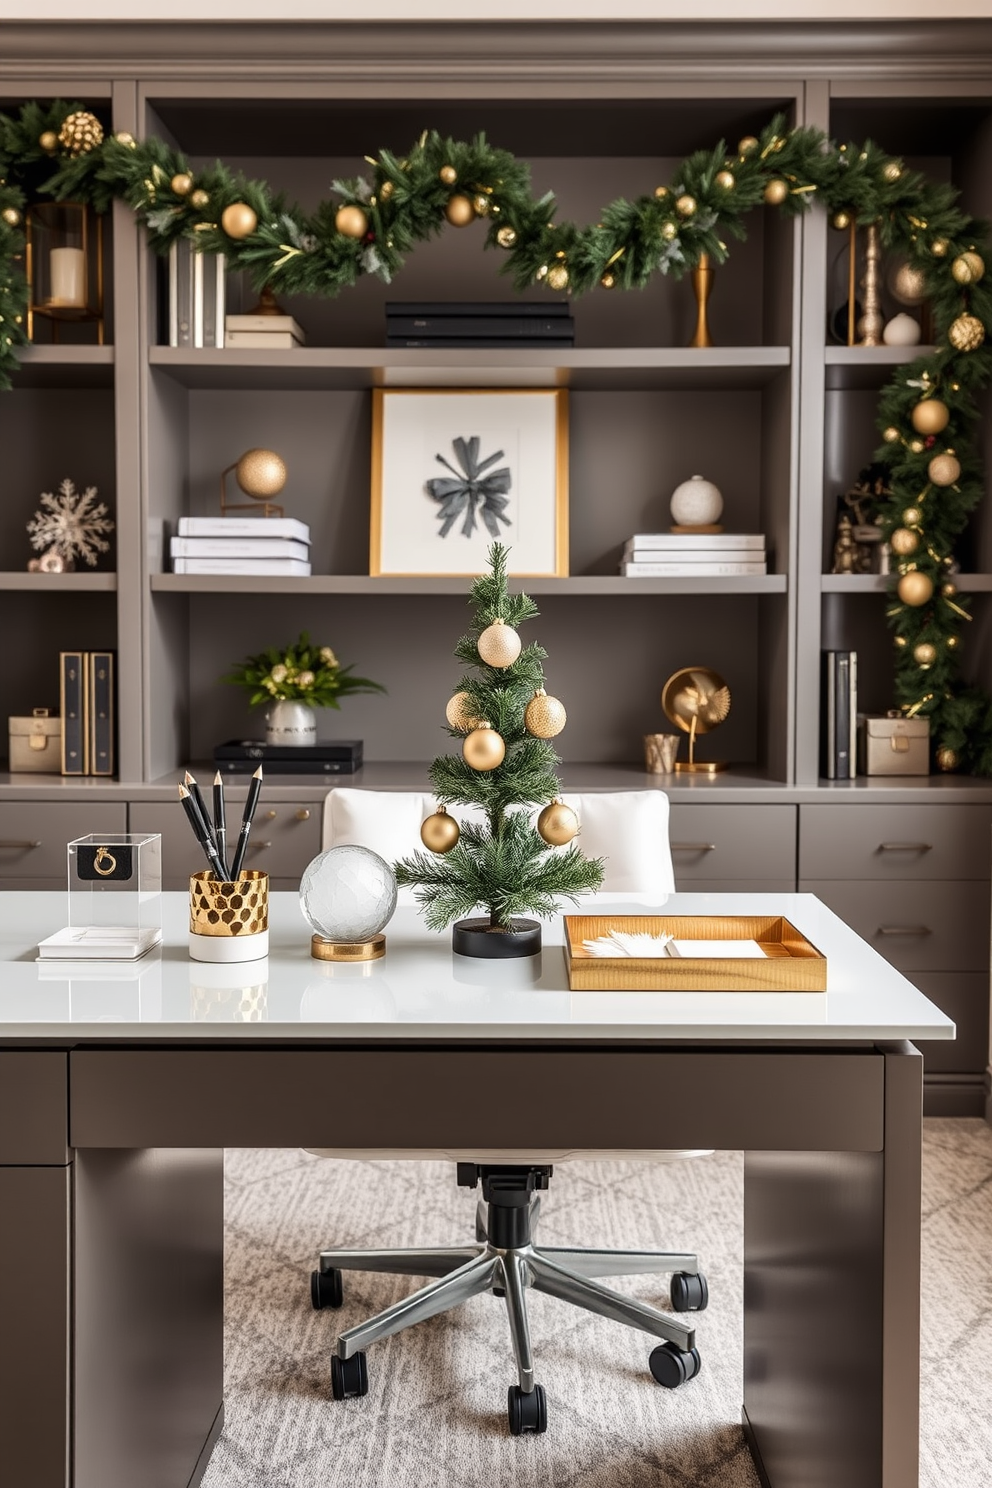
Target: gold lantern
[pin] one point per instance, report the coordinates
(260, 473)
(64, 263)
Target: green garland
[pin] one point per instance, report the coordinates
(403, 200)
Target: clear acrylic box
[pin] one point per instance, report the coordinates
(114, 899)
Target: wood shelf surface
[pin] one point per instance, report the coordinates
(593, 584)
(48, 583)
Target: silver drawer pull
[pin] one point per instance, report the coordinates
(904, 930)
(13, 842)
(693, 847)
(905, 847)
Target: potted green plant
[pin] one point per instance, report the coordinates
(293, 682)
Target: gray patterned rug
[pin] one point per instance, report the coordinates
(435, 1414)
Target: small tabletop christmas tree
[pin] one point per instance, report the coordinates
(505, 721)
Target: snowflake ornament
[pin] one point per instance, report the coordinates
(71, 525)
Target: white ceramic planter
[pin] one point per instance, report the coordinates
(291, 723)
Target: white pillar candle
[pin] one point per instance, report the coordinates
(68, 270)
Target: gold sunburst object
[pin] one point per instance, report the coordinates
(696, 699)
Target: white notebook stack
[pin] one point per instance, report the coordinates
(241, 545)
(693, 555)
(264, 332)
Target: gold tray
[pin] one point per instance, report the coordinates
(790, 963)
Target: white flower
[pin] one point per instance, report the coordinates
(327, 656)
(305, 679)
(279, 673)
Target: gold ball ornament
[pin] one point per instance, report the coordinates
(939, 247)
(239, 220)
(440, 832)
(11, 216)
(948, 590)
(775, 192)
(726, 179)
(557, 277)
(747, 145)
(900, 641)
(448, 175)
(669, 231)
(685, 205)
(460, 713)
(931, 416)
(483, 748)
(506, 237)
(944, 470)
(909, 285)
(917, 446)
(841, 221)
(557, 824)
(903, 542)
(912, 516)
(127, 140)
(544, 716)
(892, 171)
(947, 759)
(952, 643)
(481, 204)
(966, 333)
(915, 588)
(459, 210)
(968, 268)
(499, 645)
(607, 281)
(182, 183)
(80, 133)
(924, 654)
(351, 221)
(260, 473)
(49, 141)
(199, 198)
(386, 190)
(661, 192)
(891, 434)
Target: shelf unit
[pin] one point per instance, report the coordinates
(780, 416)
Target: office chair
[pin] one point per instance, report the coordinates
(629, 829)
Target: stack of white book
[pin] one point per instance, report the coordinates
(693, 554)
(264, 332)
(241, 545)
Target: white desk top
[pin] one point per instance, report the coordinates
(420, 989)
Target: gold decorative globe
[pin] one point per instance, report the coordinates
(260, 473)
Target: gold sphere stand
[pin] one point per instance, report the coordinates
(347, 950)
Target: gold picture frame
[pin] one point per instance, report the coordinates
(454, 469)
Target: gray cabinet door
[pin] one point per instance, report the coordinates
(34, 834)
(916, 926)
(729, 843)
(894, 842)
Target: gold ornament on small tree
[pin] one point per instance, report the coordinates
(499, 645)
(967, 268)
(925, 654)
(544, 716)
(903, 542)
(966, 333)
(931, 416)
(351, 221)
(912, 516)
(440, 832)
(460, 713)
(459, 210)
(557, 824)
(484, 748)
(11, 216)
(239, 220)
(915, 588)
(944, 470)
(80, 133)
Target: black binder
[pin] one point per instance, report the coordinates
(100, 719)
(839, 714)
(72, 706)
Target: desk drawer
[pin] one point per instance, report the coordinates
(717, 843)
(892, 842)
(33, 836)
(283, 839)
(915, 926)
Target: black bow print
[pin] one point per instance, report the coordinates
(472, 490)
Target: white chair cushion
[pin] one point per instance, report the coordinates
(387, 822)
(630, 830)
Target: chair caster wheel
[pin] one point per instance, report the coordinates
(325, 1289)
(672, 1366)
(349, 1377)
(527, 1412)
(689, 1291)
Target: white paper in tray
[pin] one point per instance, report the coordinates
(748, 950)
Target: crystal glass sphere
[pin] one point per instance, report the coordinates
(348, 893)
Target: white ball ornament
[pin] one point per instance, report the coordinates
(697, 502)
(499, 645)
(901, 330)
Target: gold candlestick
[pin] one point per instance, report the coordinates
(870, 324)
(702, 284)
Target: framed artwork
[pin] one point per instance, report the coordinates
(455, 469)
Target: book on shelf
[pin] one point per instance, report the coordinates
(709, 568)
(501, 309)
(266, 325)
(471, 343)
(263, 340)
(259, 567)
(244, 527)
(503, 327)
(72, 707)
(238, 547)
(333, 757)
(675, 542)
(88, 708)
(471, 324)
(196, 296)
(839, 714)
(694, 555)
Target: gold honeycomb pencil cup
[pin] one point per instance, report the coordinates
(229, 921)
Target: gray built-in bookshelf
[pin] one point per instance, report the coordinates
(776, 413)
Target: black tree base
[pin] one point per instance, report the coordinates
(480, 938)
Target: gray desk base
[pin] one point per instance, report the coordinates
(111, 1227)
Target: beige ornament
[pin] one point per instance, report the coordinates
(966, 333)
(903, 542)
(775, 192)
(544, 716)
(557, 824)
(499, 645)
(11, 216)
(915, 588)
(484, 748)
(931, 416)
(944, 470)
(459, 210)
(460, 713)
(891, 434)
(182, 183)
(351, 221)
(440, 832)
(127, 140)
(947, 759)
(80, 133)
(924, 654)
(968, 268)
(239, 220)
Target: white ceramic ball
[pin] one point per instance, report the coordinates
(348, 893)
(697, 502)
(901, 330)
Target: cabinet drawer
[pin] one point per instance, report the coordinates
(916, 926)
(283, 839)
(894, 842)
(963, 996)
(33, 836)
(711, 843)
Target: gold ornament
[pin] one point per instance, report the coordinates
(726, 179)
(967, 268)
(260, 473)
(944, 470)
(775, 192)
(440, 832)
(199, 198)
(239, 220)
(924, 654)
(607, 281)
(499, 645)
(544, 716)
(912, 516)
(685, 205)
(661, 192)
(386, 190)
(557, 276)
(900, 640)
(952, 642)
(49, 141)
(506, 237)
(939, 247)
(931, 416)
(557, 824)
(915, 588)
(80, 133)
(966, 333)
(483, 748)
(11, 216)
(841, 221)
(480, 204)
(460, 713)
(448, 175)
(351, 221)
(128, 140)
(909, 285)
(892, 171)
(747, 145)
(182, 183)
(459, 211)
(891, 434)
(903, 542)
(669, 231)
(948, 590)
(947, 758)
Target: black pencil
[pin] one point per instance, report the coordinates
(200, 806)
(254, 790)
(202, 836)
(220, 819)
